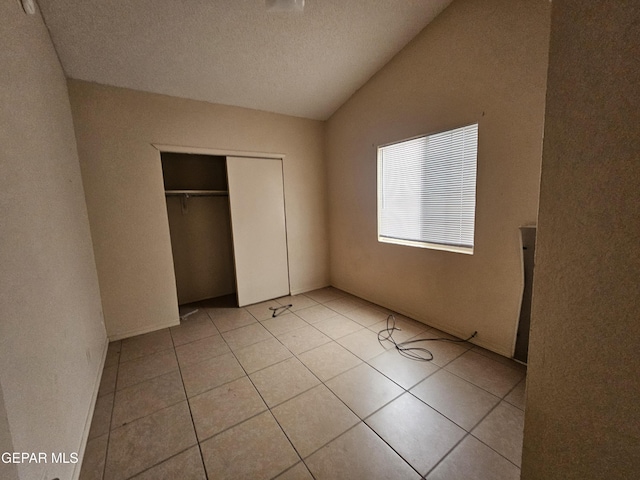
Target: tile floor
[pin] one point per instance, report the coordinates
(234, 393)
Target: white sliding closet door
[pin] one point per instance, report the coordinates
(256, 197)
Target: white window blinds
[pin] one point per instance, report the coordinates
(427, 190)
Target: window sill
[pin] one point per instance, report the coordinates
(431, 246)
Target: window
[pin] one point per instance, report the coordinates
(427, 190)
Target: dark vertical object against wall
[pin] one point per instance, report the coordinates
(528, 235)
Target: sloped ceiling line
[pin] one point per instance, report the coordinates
(236, 52)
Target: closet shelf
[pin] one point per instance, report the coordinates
(197, 193)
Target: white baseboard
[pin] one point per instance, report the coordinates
(87, 422)
(308, 289)
(150, 328)
(445, 328)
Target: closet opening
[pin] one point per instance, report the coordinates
(197, 198)
(228, 229)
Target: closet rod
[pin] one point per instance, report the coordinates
(197, 193)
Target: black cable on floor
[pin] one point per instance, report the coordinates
(414, 353)
(278, 310)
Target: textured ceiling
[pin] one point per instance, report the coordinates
(235, 52)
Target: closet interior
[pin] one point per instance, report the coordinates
(197, 197)
(228, 227)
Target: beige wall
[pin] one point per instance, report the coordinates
(479, 61)
(582, 416)
(52, 339)
(115, 129)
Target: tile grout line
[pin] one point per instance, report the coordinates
(158, 410)
(266, 405)
(363, 420)
(481, 441)
(360, 420)
(161, 462)
(321, 382)
(113, 407)
(429, 406)
(186, 396)
(478, 386)
(179, 370)
(455, 445)
(468, 432)
(407, 391)
(391, 447)
(524, 379)
(150, 378)
(292, 467)
(295, 396)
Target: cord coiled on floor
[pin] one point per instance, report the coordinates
(421, 354)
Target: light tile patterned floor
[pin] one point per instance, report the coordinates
(234, 393)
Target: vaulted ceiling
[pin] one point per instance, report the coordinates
(236, 52)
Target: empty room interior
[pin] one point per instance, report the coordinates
(319, 239)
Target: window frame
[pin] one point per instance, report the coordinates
(380, 199)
